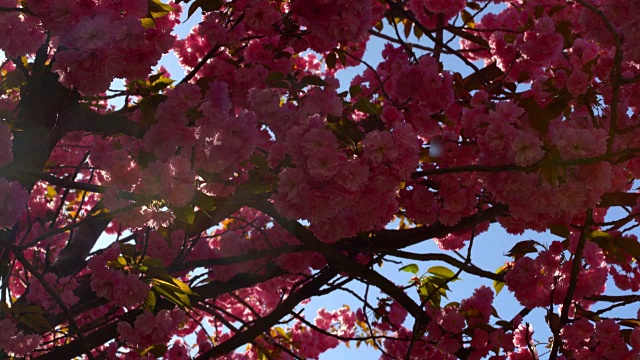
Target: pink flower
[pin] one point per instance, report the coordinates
(13, 199)
(523, 335)
(577, 334)
(123, 289)
(479, 304)
(317, 139)
(15, 343)
(65, 287)
(325, 163)
(526, 149)
(149, 330)
(261, 16)
(397, 314)
(380, 147)
(577, 83)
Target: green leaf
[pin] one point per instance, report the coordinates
(453, 304)
(427, 291)
(498, 285)
(474, 5)
(354, 90)
(441, 272)
(630, 245)
(180, 287)
(157, 350)
(155, 77)
(12, 80)
(330, 60)
(507, 325)
(128, 250)
(173, 294)
(407, 28)
(343, 58)
(274, 76)
(35, 321)
(440, 283)
(475, 80)
(626, 335)
(148, 106)
(313, 80)
(630, 323)
(183, 287)
(467, 18)
(541, 116)
(366, 107)
(161, 84)
(411, 268)
(565, 28)
(280, 84)
(204, 5)
(185, 214)
(204, 202)
(494, 312)
(158, 272)
(150, 301)
(37, 309)
(51, 192)
(417, 32)
(600, 234)
(152, 262)
(158, 9)
(521, 248)
(281, 331)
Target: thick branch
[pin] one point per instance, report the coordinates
(81, 118)
(614, 158)
(471, 269)
(398, 239)
(71, 259)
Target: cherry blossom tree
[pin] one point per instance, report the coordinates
(256, 181)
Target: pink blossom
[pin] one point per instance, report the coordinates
(380, 147)
(523, 335)
(149, 330)
(577, 83)
(16, 343)
(526, 149)
(325, 163)
(13, 199)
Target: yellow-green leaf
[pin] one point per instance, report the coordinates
(411, 268)
(441, 272)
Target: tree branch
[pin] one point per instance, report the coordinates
(573, 282)
(263, 324)
(351, 267)
(385, 240)
(471, 269)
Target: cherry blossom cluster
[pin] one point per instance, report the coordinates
(89, 58)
